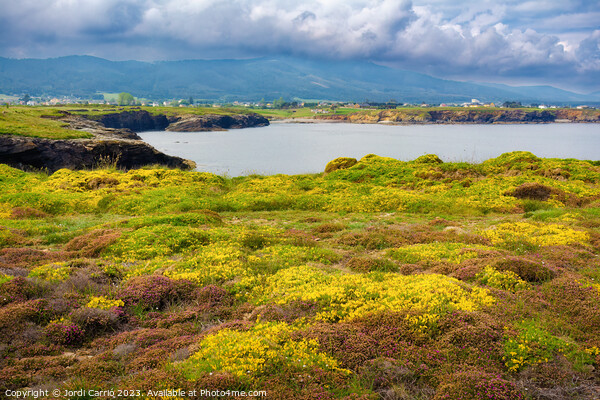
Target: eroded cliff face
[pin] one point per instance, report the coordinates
(466, 116)
(115, 142)
(212, 122)
(136, 121)
(36, 153)
(141, 120)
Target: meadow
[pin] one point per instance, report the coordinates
(380, 279)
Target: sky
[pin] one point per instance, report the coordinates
(519, 42)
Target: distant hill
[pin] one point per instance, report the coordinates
(255, 79)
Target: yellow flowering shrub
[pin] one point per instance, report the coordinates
(214, 263)
(5, 210)
(505, 280)
(158, 241)
(5, 278)
(106, 180)
(437, 251)
(593, 351)
(54, 272)
(103, 303)
(264, 348)
(376, 200)
(288, 255)
(535, 234)
(348, 296)
(534, 345)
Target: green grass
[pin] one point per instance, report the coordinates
(29, 121)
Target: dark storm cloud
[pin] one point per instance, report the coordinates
(537, 41)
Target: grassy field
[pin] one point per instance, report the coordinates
(36, 122)
(384, 280)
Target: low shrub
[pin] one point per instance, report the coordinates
(340, 163)
(95, 321)
(476, 385)
(18, 289)
(64, 332)
(506, 280)
(91, 244)
(529, 271)
(368, 264)
(154, 292)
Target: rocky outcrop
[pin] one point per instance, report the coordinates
(35, 153)
(340, 163)
(507, 116)
(136, 121)
(491, 117)
(141, 120)
(213, 122)
(115, 142)
(97, 129)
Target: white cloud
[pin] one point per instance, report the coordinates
(440, 36)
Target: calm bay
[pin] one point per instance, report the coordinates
(295, 148)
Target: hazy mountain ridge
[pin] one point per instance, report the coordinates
(255, 79)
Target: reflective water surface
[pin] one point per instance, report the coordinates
(289, 148)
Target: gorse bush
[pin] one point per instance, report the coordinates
(263, 349)
(344, 297)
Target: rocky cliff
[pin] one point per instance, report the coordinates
(141, 120)
(212, 122)
(115, 142)
(27, 153)
(465, 116)
(136, 121)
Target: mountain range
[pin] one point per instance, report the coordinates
(256, 79)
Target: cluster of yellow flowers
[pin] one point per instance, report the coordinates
(348, 296)
(54, 272)
(213, 263)
(103, 303)
(378, 199)
(288, 255)
(5, 278)
(248, 354)
(157, 241)
(438, 251)
(593, 351)
(505, 280)
(533, 346)
(487, 194)
(119, 181)
(5, 210)
(535, 234)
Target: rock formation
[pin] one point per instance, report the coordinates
(27, 153)
(212, 122)
(115, 142)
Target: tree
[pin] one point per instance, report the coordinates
(512, 104)
(126, 99)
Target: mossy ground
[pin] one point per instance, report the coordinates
(387, 279)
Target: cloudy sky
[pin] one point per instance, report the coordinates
(553, 42)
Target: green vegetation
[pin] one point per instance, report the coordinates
(36, 122)
(419, 280)
(125, 99)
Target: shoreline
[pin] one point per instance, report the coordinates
(344, 121)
